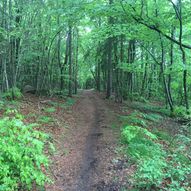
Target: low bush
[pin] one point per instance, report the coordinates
(22, 160)
(133, 132)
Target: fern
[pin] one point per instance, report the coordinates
(134, 119)
(131, 132)
(152, 117)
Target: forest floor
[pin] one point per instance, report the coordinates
(86, 136)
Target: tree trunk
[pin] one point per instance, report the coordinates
(164, 79)
(109, 62)
(70, 62)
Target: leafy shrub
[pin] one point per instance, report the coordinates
(131, 132)
(180, 111)
(22, 157)
(12, 93)
(148, 154)
(144, 149)
(158, 167)
(150, 173)
(140, 143)
(178, 170)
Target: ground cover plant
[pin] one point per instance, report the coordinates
(22, 160)
(163, 162)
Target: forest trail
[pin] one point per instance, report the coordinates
(90, 144)
(89, 114)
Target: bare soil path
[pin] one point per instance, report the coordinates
(89, 147)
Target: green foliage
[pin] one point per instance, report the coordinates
(50, 109)
(13, 113)
(131, 132)
(45, 119)
(150, 172)
(158, 167)
(12, 93)
(162, 135)
(181, 112)
(151, 108)
(152, 117)
(2, 104)
(138, 97)
(144, 149)
(134, 119)
(179, 165)
(69, 102)
(22, 157)
(148, 154)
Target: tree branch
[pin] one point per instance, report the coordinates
(154, 28)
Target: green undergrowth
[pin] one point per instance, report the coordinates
(22, 161)
(50, 109)
(138, 97)
(45, 119)
(151, 108)
(182, 112)
(179, 111)
(65, 105)
(68, 103)
(140, 119)
(12, 93)
(9, 105)
(163, 161)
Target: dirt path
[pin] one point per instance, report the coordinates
(89, 144)
(88, 114)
